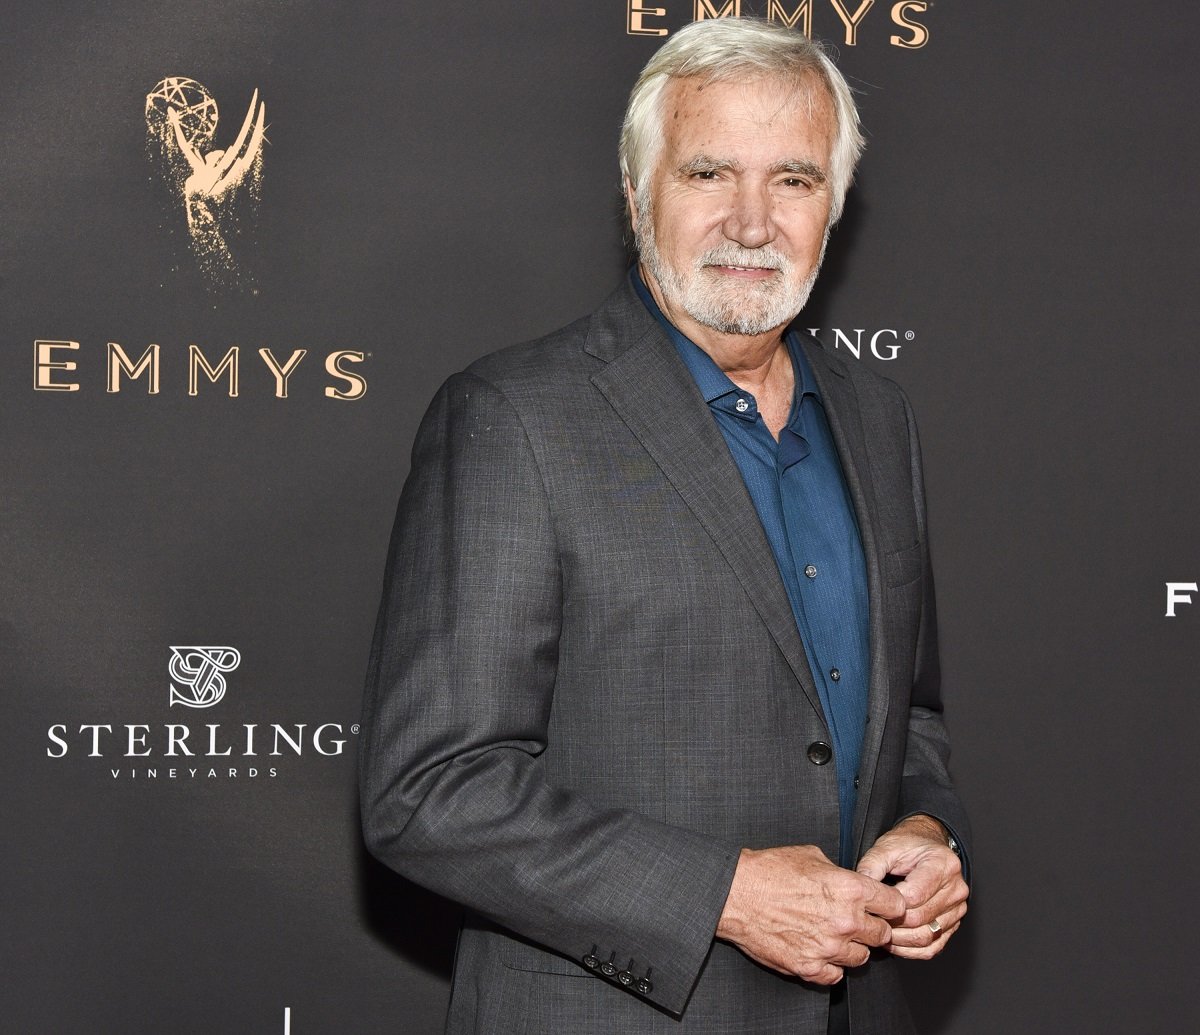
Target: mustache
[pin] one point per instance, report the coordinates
(766, 257)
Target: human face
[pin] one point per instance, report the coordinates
(732, 222)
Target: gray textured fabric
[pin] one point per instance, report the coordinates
(587, 690)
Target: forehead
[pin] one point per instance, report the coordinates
(746, 118)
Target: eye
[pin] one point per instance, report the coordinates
(704, 174)
(796, 183)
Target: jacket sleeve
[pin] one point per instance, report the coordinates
(459, 694)
(926, 786)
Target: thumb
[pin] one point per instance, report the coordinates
(874, 864)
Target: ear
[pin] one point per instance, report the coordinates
(631, 203)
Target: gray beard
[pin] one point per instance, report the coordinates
(748, 309)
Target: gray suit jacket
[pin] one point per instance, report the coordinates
(587, 690)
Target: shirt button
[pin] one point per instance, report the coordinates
(741, 406)
(819, 752)
(856, 783)
(835, 674)
(811, 571)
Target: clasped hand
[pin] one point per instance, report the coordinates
(791, 909)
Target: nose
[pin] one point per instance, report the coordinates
(749, 221)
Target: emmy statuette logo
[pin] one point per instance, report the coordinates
(197, 674)
(218, 188)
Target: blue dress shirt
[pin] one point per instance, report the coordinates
(798, 490)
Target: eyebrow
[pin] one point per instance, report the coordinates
(800, 167)
(795, 166)
(706, 163)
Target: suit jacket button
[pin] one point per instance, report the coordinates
(608, 969)
(591, 960)
(644, 987)
(625, 978)
(819, 752)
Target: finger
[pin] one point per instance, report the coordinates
(921, 885)
(832, 975)
(847, 954)
(922, 935)
(873, 930)
(825, 974)
(874, 865)
(938, 870)
(918, 937)
(924, 952)
(946, 899)
(938, 908)
(886, 902)
(861, 954)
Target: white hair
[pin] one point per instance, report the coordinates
(731, 49)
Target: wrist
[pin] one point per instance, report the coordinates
(732, 919)
(926, 826)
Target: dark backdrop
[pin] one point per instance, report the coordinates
(440, 180)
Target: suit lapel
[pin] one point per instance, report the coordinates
(654, 394)
(842, 410)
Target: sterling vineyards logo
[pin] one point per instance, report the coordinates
(200, 671)
(883, 343)
(215, 751)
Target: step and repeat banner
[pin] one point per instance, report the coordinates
(242, 243)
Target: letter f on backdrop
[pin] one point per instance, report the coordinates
(1179, 593)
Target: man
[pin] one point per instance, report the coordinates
(654, 689)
